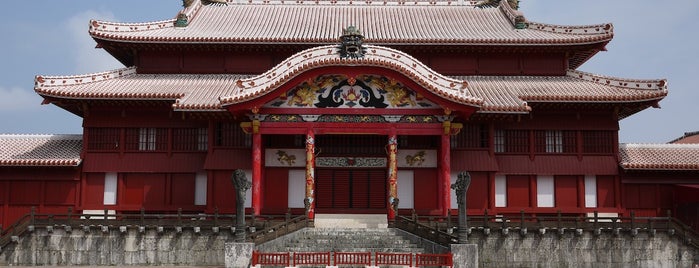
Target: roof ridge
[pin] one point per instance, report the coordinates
(684, 136)
(467, 3)
(591, 29)
(49, 81)
(111, 26)
(641, 84)
(128, 31)
(51, 85)
(659, 145)
(51, 136)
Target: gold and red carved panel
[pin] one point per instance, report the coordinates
(351, 92)
(409, 158)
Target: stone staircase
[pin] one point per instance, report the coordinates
(350, 233)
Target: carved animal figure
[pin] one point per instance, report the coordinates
(283, 157)
(415, 160)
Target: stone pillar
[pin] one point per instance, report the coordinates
(445, 169)
(392, 177)
(461, 187)
(256, 168)
(241, 184)
(309, 200)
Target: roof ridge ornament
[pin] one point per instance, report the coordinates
(217, 3)
(351, 43)
(182, 20)
(514, 4)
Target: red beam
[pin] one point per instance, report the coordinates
(350, 128)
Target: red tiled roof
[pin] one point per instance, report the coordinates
(376, 56)
(208, 92)
(510, 93)
(321, 22)
(659, 156)
(40, 150)
(688, 137)
(189, 91)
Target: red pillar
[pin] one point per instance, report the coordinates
(392, 176)
(256, 168)
(445, 173)
(309, 200)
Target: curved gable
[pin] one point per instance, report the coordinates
(254, 92)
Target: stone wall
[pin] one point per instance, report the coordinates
(169, 248)
(113, 247)
(583, 249)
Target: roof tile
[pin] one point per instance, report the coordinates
(659, 156)
(40, 150)
(499, 94)
(321, 22)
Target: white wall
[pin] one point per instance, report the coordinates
(545, 191)
(500, 191)
(297, 188)
(200, 184)
(406, 189)
(590, 191)
(110, 188)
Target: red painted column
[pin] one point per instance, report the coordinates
(445, 173)
(392, 176)
(309, 200)
(256, 168)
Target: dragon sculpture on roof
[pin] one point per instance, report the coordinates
(494, 3)
(188, 3)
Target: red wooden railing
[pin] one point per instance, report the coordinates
(383, 258)
(434, 260)
(352, 258)
(274, 259)
(311, 258)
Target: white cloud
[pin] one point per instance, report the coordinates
(18, 99)
(89, 59)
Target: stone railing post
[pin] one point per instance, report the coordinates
(460, 187)
(241, 184)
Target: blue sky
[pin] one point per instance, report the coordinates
(653, 39)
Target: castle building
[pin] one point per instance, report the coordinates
(366, 107)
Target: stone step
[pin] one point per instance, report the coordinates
(343, 240)
(351, 221)
(367, 249)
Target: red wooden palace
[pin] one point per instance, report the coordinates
(348, 107)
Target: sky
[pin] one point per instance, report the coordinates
(652, 40)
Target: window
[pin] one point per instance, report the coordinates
(146, 139)
(231, 135)
(555, 141)
(471, 136)
(190, 139)
(499, 142)
(598, 142)
(103, 139)
(511, 141)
